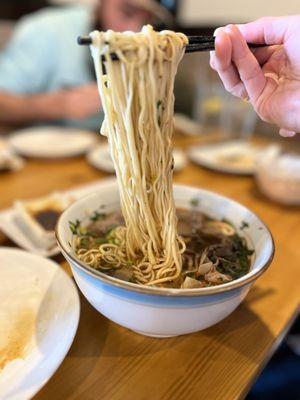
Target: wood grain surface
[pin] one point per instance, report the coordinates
(109, 362)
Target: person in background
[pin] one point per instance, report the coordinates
(45, 76)
(269, 77)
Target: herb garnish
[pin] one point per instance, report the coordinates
(109, 229)
(244, 225)
(158, 105)
(75, 226)
(194, 202)
(96, 216)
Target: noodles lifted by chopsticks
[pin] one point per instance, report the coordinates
(138, 102)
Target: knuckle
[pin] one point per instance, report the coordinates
(235, 89)
(251, 74)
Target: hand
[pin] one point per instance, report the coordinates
(76, 103)
(268, 77)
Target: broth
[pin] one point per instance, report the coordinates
(215, 253)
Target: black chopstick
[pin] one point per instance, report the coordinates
(201, 39)
(196, 43)
(86, 40)
(204, 46)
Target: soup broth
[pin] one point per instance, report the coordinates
(215, 253)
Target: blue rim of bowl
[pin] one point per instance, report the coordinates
(151, 290)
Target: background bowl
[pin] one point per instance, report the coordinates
(163, 312)
(278, 175)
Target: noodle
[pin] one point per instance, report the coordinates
(138, 102)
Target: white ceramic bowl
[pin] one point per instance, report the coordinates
(166, 312)
(278, 176)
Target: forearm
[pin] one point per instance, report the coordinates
(18, 109)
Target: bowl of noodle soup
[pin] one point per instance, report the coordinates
(157, 259)
(155, 310)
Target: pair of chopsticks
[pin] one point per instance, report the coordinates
(196, 43)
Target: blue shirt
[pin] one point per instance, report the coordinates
(43, 54)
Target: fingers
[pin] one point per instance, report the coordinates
(88, 93)
(247, 65)
(286, 133)
(269, 30)
(236, 64)
(220, 60)
(81, 102)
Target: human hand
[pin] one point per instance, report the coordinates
(75, 103)
(269, 77)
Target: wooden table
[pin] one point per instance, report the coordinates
(107, 361)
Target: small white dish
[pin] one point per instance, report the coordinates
(180, 159)
(278, 176)
(9, 160)
(233, 157)
(39, 314)
(163, 312)
(12, 229)
(52, 142)
(186, 125)
(100, 158)
(37, 217)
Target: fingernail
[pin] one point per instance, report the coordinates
(218, 30)
(286, 133)
(228, 28)
(212, 58)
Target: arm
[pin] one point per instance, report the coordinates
(17, 109)
(76, 103)
(25, 72)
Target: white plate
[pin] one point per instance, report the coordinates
(9, 160)
(234, 157)
(39, 314)
(187, 125)
(100, 159)
(52, 142)
(13, 231)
